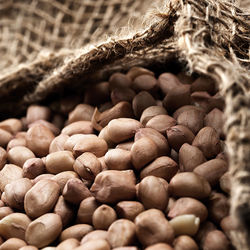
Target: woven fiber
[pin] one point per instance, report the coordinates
(209, 37)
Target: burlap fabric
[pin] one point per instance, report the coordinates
(208, 37)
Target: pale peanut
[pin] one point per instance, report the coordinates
(95, 235)
(70, 243)
(99, 244)
(11, 125)
(37, 112)
(13, 244)
(57, 144)
(79, 127)
(3, 157)
(159, 246)
(16, 142)
(5, 137)
(82, 112)
(4, 211)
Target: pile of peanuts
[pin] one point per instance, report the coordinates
(139, 163)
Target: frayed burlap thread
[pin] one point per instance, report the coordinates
(208, 37)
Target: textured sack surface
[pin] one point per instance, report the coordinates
(211, 37)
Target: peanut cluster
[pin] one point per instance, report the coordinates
(139, 163)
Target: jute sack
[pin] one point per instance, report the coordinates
(209, 37)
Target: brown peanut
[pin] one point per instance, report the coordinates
(122, 94)
(153, 193)
(113, 186)
(43, 230)
(122, 232)
(86, 210)
(216, 240)
(158, 138)
(208, 141)
(41, 198)
(75, 191)
(95, 145)
(16, 191)
(163, 167)
(70, 243)
(65, 210)
(152, 227)
(87, 166)
(3, 157)
(37, 112)
(57, 144)
(63, 177)
(190, 157)
(188, 206)
(5, 137)
(14, 225)
(9, 173)
(38, 139)
(185, 242)
(129, 209)
(76, 231)
(189, 184)
(82, 112)
(118, 159)
(16, 142)
(212, 170)
(103, 217)
(13, 244)
(33, 167)
(159, 246)
(95, 235)
(137, 71)
(161, 123)
(143, 151)
(79, 127)
(99, 244)
(150, 112)
(11, 125)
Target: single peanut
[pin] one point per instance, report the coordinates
(98, 244)
(70, 243)
(41, 198)
(63, 177)
(82, 112)
(145, 82)
(65, 210)
(122, 94)
(153, 193)
(75, 191)
(119, 80)
(158, 138)
(152, 227)
(216, 240)
(19, 154)
(13, 244)
(188, 206)
(16, 191)
(122, 129)
(5, 137)
(33, 167)
(185, 242)
(86, 210)
(76, 231)
(212, 170)
(187, 224)
(55, 130)
(87, 166)
(43, 230)
(16, 142)
(57, 143)
(14, 225)
(4, 211)
(38, 139)
(161, 123)
(208, 141)
(79, 127)
(137, 71)
(129, 209)
(190, 185)
(103, 217)
(163, 167)
(3, 157)
(159, 246)
(9, 173)
(37, 112)
(122, 232)
(95, 235)
(190, 157)
(11, 125)
(143, 151)
(113, 186)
